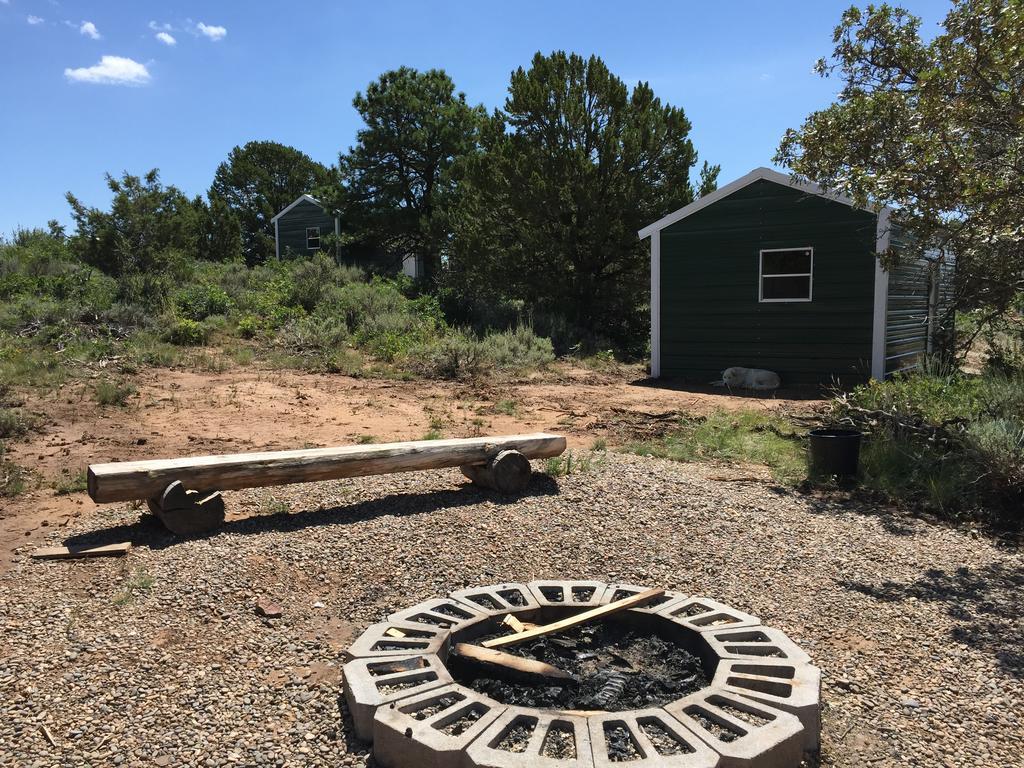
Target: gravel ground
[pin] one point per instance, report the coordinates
(160, 658)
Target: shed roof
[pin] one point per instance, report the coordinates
(758, 174)
(299, 199)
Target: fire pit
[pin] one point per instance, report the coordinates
(679, 681)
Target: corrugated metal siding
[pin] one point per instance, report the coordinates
(919, 312)
(291, 228)
(906, 315)
(710, 315)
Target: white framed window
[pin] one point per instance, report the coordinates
(313, 238)
(785, 274)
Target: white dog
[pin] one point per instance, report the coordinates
(748, 378)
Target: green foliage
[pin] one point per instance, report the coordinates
(570, 463)
(396, 180)
(569, 170)
(507, 407)
(146, 225)
(14, 422)
(138, 583)
(188, 333)
(954, 443)
(742, 437)
(257, 182)
(932, 126)
(110, 392)
(459, 355)
(71, 482)
(13, 478)
(198, 302)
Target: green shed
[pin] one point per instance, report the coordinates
(767, 272)
(301, 227)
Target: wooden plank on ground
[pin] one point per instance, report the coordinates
(510, 661)
(130, 480)
(633, 601)
(67, 553)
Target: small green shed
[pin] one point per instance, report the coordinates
(302, 227)
(766, 272)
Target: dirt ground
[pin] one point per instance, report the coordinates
(182, 412)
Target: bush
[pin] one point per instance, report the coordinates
(109, 392)
(312, 334)
(188, 333)
(519, 349)
(952, 443)
(248, 327)
(199, 302)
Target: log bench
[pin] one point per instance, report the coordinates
(185, 494)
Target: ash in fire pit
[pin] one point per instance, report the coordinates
(617, 667)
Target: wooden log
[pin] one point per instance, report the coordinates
(129, 480)
(188, 513)
(508, 661)
(508, 472)
(67, 553)
(633, 601)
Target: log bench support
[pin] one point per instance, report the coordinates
(187, 513)
(497, 463)
(507, 473)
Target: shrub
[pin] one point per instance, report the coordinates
(12, 477)
(312, 333)
(248, 327)
(198, 302)
(188, 333)
(13, 422)
(519, 349)
(109, 392)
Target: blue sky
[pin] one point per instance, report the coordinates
(89, 87)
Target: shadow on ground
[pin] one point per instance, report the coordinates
(986, 604)
(149, 532)
(679, 385)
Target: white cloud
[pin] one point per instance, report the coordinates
(33, 20)
(89, 30)
(112, 70)
(157, 27)
(213, 32)
(166, 38)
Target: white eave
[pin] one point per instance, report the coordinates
(299, 199)
(758, 174)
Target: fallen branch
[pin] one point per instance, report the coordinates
(633, 601)
(509, 661)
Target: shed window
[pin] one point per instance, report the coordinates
(313, 238)
(785, 274)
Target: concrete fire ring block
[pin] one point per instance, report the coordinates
(398, 638)
(791, 687)
(620, 591)
(762, 736)
(753, 643)
(678, 746)
(568, 594)
(497, 599)
(401, 740)
(702, 614)
(443, 612)
(366, 683)
(484, 751)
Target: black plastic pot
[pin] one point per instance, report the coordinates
(834, 451)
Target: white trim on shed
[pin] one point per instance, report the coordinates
(296, 201)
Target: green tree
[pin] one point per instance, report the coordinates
(395, 180)
(257, 181)
(147, 221)
(935, 129)
(221, 236)
(572, 167)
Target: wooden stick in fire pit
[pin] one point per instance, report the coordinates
(633, 601)
(508, 661)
